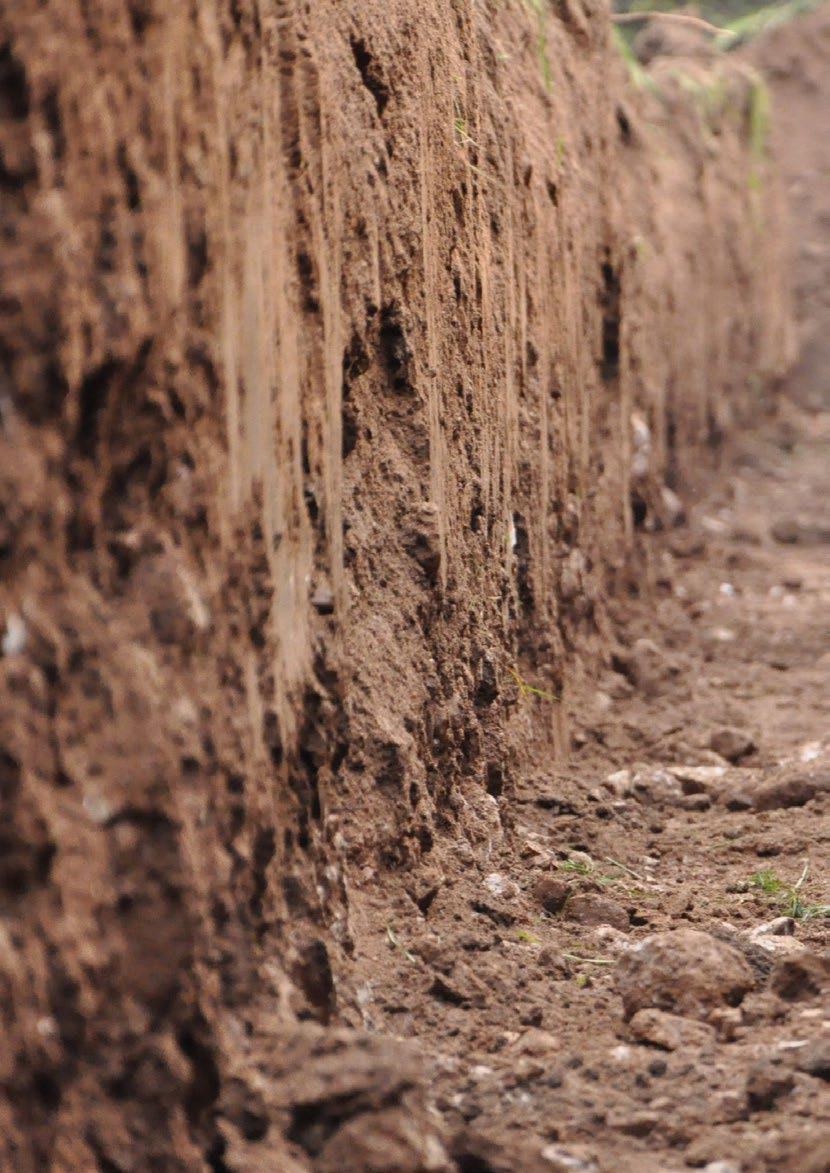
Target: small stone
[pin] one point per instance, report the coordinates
(14, 636)
(815, 1059)
(726, 1020)
(673, 512)
(731, 1106)
(682, 971)
(796, 790)
(619, 783)
(732, 744)
(801, 977)
(670, 1032)
(553, 964)
(633, 1123)
(589, 909)
(781, 926)
(568, 1160)
(797, 531)
(551, 892)
(537, 1042)
(323, 600)
(721, 1167)
(766, 1084)
(611, 940)
(697, 779)
(499, 885)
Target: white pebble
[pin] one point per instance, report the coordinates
(14, 637)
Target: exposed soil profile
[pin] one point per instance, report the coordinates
(388, 395)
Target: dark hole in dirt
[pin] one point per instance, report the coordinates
(265, 845)
(311, 505)
(394, 351)
(313, 1124)
(305, 459)
(624, 125)
(476, 514)
(14, 88)
(610, 302)
(457, 204)
(314, 975)
(92, 398)
(639, 510)
(52, 118)
(129, 178)
(215, 1155)
(715, 435)
(671, 450)
(47, 1089)
(141, 15)
(305, 271)
(339, 755)
(253, 1125)
(9, 774)
(370, 74)
(197, 256)
(236, 783)
(205, 1084)
(495, 779)
(553, 192)
(522, 552)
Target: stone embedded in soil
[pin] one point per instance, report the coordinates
(766, 1084)
(797, 531)
(797, 790)
(384, 1142)
(797, 978)
(670, 1032)
(646, 665)
(780, 926)
(589, 909)
(682, 971)
(732, 744)
(815, 1059)
(551, 893)
(746, 792)
(553, 964)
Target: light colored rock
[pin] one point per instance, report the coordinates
(670, 1032)
(684, 972)
(781, 926)
(499, 885)
(15, 635)
(673, 511)
(569, 1160)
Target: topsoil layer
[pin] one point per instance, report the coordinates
(347, 353)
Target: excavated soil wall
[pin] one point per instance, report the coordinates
(346, 349)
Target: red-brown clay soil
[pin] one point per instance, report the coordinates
(506, 965)
(367, 704)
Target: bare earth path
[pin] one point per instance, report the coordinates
(514, 999)
(697, 798)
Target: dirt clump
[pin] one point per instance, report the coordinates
(684, 971)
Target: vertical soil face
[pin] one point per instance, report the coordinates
(344, 354)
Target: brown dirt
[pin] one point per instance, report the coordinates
(345, 360)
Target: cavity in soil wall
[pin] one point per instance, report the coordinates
(345, 348)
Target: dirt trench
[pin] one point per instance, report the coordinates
(352, 360)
